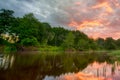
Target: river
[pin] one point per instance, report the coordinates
(59, 66)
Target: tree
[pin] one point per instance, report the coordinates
(82, 45)
(118, 43)
(27, 28)
(69, 41)
(59, 36)
(45, 33)
(110, 43)
(100, 43)
(29, 42)
(6, 20)
(81, 40)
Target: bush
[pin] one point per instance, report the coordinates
(3, 42)
(30, 42)
(10, 48)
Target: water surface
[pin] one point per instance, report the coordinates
(52, 66)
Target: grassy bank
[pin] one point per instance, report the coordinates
(115, 54)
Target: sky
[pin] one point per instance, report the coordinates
(96, 18)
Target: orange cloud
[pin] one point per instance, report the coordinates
(81, 76)
(85, 24)
(89, 24)
(105, 5)
(77, 3)
(97, 19)
(73, 24)
(116, 3)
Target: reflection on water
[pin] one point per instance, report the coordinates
(77, 76)
(94, 71)
(37, 66)
(103, 69)
(6, 61)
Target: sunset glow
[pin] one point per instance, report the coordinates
(96, 18)
(99, 18)
(94, 71)
(85, 24)
(104, 5)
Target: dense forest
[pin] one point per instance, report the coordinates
(19, 32)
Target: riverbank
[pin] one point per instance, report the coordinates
(115, 54)
(13, 48)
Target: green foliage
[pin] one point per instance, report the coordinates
(93, 45)
(10, 48)
(32, 32)
(69, 40)
(27, 27)
(4, 42)
(118, 43)
(59, 36)
(45, 33)
(82, 45)
(110, 44)
(100, 43)
(6, 20)
(30, 42)
(1, 41)
(50, 48)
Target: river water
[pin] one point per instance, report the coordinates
(94, 71)
(59, 66)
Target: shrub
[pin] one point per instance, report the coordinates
(30, 42)
(10, 48)
(3, 42)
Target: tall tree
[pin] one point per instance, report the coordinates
(118, 43)
(59, 36)
(45, 33)
(28, 27)
(82, 45)
(110, 43)
(6, 20)
(100, 42)
(69, 40)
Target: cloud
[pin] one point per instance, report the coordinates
(96, 18)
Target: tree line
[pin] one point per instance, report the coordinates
(17, 32)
